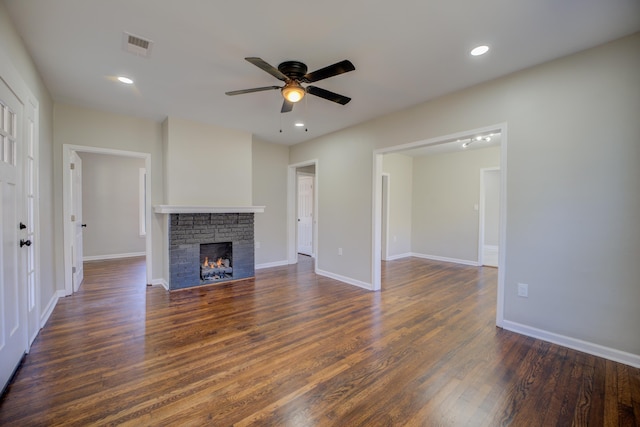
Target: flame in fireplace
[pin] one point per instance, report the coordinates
(212, 264)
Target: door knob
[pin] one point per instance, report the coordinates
(84, 225)
(25, 242)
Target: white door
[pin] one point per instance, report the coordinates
(28, 252)
(13, 327)
(77, 271)
(305, 214)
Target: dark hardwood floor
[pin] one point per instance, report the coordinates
(294, 349)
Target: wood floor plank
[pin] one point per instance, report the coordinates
(293, 348)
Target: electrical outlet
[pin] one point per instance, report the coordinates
(339, 251)
(257, 245)
(523, 290)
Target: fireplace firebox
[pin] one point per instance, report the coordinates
(216, 262)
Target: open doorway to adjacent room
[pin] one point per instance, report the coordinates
(303, 210)
(106, 195)
(443, 199)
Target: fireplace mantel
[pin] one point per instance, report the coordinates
(184, 209)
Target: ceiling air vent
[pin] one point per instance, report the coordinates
(137, 45)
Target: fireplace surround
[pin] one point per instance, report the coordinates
(188, 231)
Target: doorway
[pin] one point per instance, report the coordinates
(435, 142)
(72, 210)
(305, 202)
(306, 170)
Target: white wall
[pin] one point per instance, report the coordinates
(269, 189)
(344, 202)
(93, 128)
(111, 205)
(573, 188)
(11, 47)
(400, 195)
(492, 208)
(446, 191)
(207, 165)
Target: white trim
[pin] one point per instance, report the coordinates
(446, 259)
(44, 317)
(399, 256)
(377, 201)
(160, 282)
(502, 238)
(574, 343)
(183, 209)
(67, 235)
(292, 224)
(113, 256)
(344, 279)
(376, 223)
(271, 264)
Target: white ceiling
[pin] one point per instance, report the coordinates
(405, 52)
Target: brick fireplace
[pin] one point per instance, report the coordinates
(192, 232)
(188, 232)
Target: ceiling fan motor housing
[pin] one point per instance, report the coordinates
(293, 69)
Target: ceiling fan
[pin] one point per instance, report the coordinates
(293, 73)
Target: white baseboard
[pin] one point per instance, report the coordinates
(575, 344)
(347, 280)
(113, 256)
(445, 259)
(160, 282)
(399, 256)
(44, 317)
(271, 264)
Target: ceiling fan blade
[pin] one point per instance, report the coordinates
(255, 89)
(263, 65)
(331, 96)
(330, 71)
(286, 106)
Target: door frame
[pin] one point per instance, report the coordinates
(292, 223)
(67, 149)
(313, 219)
(376, 232)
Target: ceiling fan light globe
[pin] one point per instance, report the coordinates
(293, 93)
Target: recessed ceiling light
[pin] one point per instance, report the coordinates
(125, 80)
(480, 50)
(299, 124)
